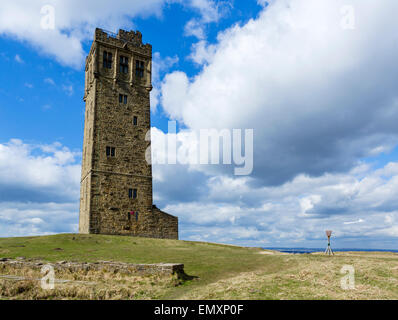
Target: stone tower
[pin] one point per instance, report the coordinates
(116, 181)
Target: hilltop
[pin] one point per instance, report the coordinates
(215, 271)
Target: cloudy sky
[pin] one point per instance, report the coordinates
(317, 81)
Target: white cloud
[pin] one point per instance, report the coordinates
(202, 52)
(159, 66)
(194, 28)
(355, 206)
(39, 189)
(32, 219)
(38, 173)
(29, 85)
(263, 3)
(68, 89)
(49, 81)
(4, 56)
(358, 205)
(210, 11)
(19, 59)
(318, 97)
(75, 22)
(354, 222)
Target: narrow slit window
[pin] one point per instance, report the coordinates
(133, 193)
(110, 151)
(139, 69)
(135, 121)
(107, 60)
(123, 98)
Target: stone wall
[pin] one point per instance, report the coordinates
(166, 225)
(107, 266)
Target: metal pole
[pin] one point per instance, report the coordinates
(329, 250)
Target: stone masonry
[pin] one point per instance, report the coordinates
(109, 266)
(116, 181)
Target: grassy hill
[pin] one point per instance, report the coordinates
(218, 271)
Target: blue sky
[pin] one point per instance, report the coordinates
(319, 93)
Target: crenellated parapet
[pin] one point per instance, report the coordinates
(131, 40)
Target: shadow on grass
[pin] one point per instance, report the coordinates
(185, 277)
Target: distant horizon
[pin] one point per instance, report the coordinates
(276, 248)
(334, 249)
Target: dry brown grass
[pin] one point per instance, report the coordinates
(84, 285)
(311, 277)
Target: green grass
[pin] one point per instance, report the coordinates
(222, 271)
(205, 261)
(200, 259)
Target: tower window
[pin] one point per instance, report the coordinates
(110, 151)
(135, 121)
(107, 60)
(123, 98)
(133, 193)
(124, 64)
(139, 69)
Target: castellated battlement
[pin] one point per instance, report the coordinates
(131, 39)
